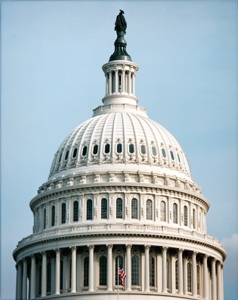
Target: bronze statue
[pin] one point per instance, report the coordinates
(120, 24)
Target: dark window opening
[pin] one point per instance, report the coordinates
(107, 148)
(131, 148)
(95, 149)
(154, 151)
(84, 152)
(163, 152)
(142, 149)
(66, 155)
(172, 155)
(75, 152)
(119, 148)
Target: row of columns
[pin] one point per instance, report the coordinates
(215, 292)
(125, 84)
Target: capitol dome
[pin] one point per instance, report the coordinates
(120, 212)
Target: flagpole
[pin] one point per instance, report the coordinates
(118, 278)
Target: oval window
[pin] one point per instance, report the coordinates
(131, 148)
(107, 148)
(142, 149)
(66, 155)
(84, 152)
(163, 152)
(179, 158)
(75, 152)
(154, 151)
(172, 155)
(95, 149)
(119, 148)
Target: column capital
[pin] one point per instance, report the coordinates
(165, 248)
(91, 247)
(109, 246)
(180, 250)
(73, 248)
(128, 246)
(147, 246)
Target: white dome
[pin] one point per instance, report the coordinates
(120, 138)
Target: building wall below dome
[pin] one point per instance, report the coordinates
(90, 271)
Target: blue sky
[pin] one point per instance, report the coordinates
(52, 54)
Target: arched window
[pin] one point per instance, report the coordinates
(185, 215)
(53, 215)
(176, 274)
(175, 213)
(152, 271)
(103, 270)
(194, 219)
(76, 211)
(48, 277)
(89, 209)
(44, 218)
(85, 271)
(118, 263)
(63, 213)
(189, 277)
(149, 210)
(104, 208)
(134, 209)
(135, 270)
(119, 208)
(163, 211)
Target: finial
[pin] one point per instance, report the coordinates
(120, 43)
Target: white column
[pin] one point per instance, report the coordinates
(106, 87)
(185, 277)
(110, 83)
(57, 272)
(91, 269)
(19, 281)
(219, 289)
(180, 271)
(24, 280)
(147, 268)
(123, 81)
(109, 267)
(43, 275)
(164, 270)
(159, 273)
(73, 270)
(128, 267)
(133, 83)
(214, 288)
(194, 274)
(222, 289)
(116, 82)
(205, 278)
(33, 277)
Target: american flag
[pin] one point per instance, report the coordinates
(122, 275)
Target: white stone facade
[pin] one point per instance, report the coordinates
(119, 188)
